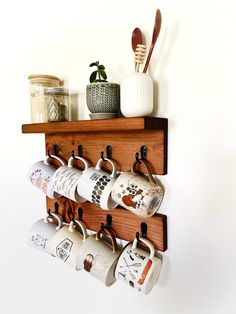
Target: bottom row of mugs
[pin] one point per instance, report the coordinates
(95, 254)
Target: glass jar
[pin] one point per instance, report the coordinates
(57, 101)
(38, 83)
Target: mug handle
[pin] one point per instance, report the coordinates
(149, 262)
(111, 234)
(81, 225)
(148, 168)
(99, 166)
(58, 219)
(72, 159)
(46, 160)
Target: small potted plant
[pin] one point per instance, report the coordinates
(102, 96)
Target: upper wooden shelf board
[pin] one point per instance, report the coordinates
(108, 125)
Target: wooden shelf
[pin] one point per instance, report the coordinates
(108, 125)
(125, 136)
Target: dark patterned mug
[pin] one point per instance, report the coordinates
(95, 185)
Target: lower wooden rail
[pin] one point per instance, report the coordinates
(124, 223)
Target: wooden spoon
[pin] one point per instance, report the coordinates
(136, 39)
(155, 34)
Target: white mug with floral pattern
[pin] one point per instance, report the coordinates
(138, 194)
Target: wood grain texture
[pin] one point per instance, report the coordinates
(124, 147)
(124, 223)
(118, 124)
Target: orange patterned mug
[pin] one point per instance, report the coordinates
(138, 268)
(137, 194)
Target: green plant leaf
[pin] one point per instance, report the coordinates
(103, 74)
(101, 67)
(94, 64)
(93, 76)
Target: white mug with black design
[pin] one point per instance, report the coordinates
(67, 241)
(95, 185)
(66, 177)
(42, 232)
(138, 268)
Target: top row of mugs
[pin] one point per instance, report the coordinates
(136, 193)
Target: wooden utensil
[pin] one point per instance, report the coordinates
(136, 39)
(155, 34)
(140, 53)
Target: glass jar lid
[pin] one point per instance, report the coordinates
(43, 76)
(56, 91)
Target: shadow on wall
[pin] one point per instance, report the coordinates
(78, 107)
(166, 48)
(74, 106)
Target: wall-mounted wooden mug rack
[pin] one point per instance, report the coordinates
(123, 139)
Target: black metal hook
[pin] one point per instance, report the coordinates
(56, 150)
(143, 151)
(49, 212)
(80, 150)
(80, 213)
(102, 156)
(73, 154)
(144, 229)
(109, 220)
(137, 236)
(137, 157)
(56, 207)
(109, 151)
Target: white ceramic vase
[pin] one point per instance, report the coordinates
(137, 95)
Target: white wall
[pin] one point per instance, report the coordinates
(193, 66)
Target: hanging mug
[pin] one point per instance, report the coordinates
(137, 194)
(95, 185)
(138, 268)
(67, 242)
(66, 178)
(42, 232)
(40, 175)
(98, 257)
